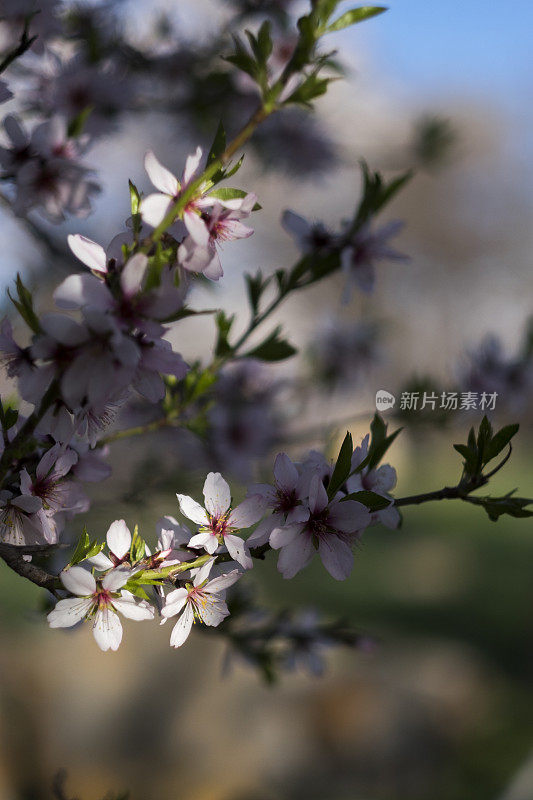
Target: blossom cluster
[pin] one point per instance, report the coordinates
(293, 515)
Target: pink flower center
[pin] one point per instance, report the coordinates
(102, 598)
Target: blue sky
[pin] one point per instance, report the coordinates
(473, 45)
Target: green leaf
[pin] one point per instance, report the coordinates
(499, 441)
(135, 588)
(311, 88)
(273, 348)
(137, 547)
(24, 305)
(76, 125)
(235, 168)
(135, 202)
(342, 467)
(218, 146)
(8, 416)
(372, 500)
(255, 287)
(510, 505)
(185, 312)
(224, 323)
(264, 41)
(85, 548)
(354, 16)
(379, 442)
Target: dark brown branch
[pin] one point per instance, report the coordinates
(14, 558)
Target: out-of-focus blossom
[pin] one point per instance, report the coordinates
(218, 520)
(244, 421)
(488, 369)
(96, 359)
(203, 600)
(98, 602)
(311, 237)
(5, 92)
(76, 87)
(364, 249)
(33, 380)
(343, 353)
(306, 643)
(46, 171)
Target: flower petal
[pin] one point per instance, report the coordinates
(336, 556)
(69, 612)
(191, 165)
(132, 276)
(238, 550)
(285, 472)
(78, 581)
(160, 176)
(154, 208)
(116, 579)
(296, 555)
(192, 510)
(248, 512)
(223, 582)
(182, 628)
(217, 494)
(89, 253)
(77, 291)
(107, 629)
(118, 538)
(133, 609)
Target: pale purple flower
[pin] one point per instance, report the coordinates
(364, 249)
(5, 92)
(311, 237)
(45, 170)
(99, 602)
(72, 87)
(90, 466)
(98, 360)
(331, 528)
(48, 483)
(218, 520)
(223, 225)
(204, 600)
(380, 480)
(284, 499)
(134, 307)
(343, 353)
(157, 357)
(20, 520)
(33, 380)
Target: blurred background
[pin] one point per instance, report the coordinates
(441, 706)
